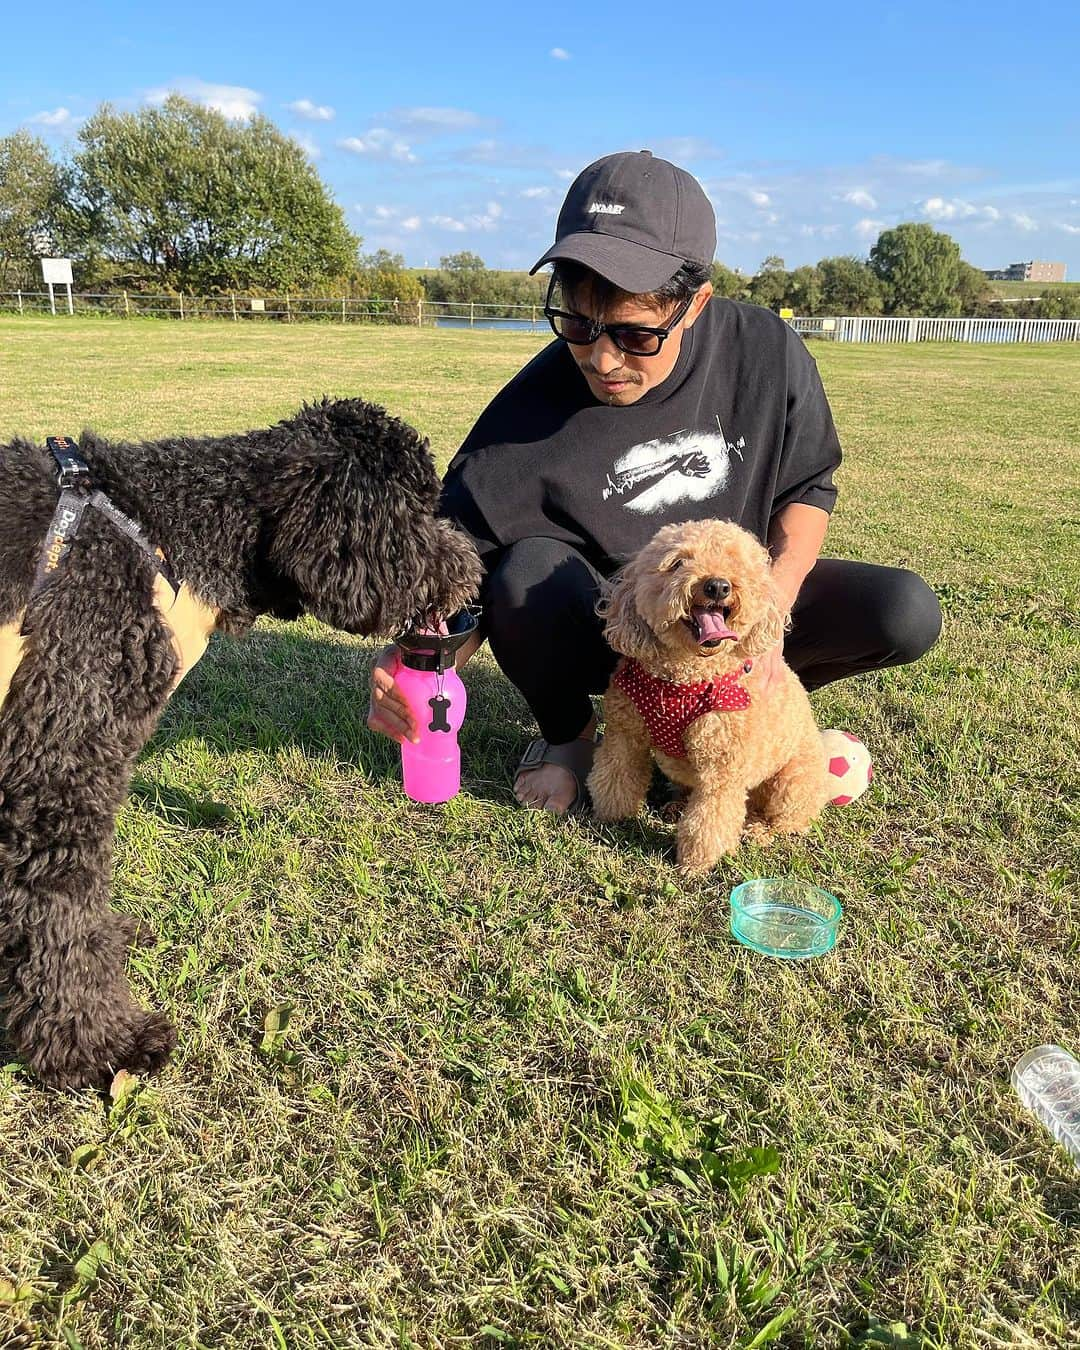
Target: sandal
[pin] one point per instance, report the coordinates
(577, 756)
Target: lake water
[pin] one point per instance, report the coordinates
(511, 325)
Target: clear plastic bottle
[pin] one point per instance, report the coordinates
(1047, 1081)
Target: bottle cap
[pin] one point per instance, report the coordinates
(424, 649)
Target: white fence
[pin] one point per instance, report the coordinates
(862, 328)
(525, 318)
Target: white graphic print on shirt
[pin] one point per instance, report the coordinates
(689, 466)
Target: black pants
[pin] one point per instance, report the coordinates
(540, 614)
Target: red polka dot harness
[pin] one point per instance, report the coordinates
(668, 708)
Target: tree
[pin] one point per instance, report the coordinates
(974, 294)
(462, 263)
(1060, 302)
(848, 286)
(30, 192)
(182, 195)
(770, 286)
(725, 282)
(919, 268)
(383, 276)
(804, 290)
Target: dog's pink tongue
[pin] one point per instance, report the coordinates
(711, 626)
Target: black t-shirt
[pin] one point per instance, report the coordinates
(739, 429)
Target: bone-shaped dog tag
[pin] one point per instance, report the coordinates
(438, 705)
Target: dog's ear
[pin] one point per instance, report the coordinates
(769, 630)
(353, 535)
(626, 631)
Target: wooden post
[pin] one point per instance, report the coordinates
(19, 293)
(232, 297)
(52, 299)
(181, 304)
(127, 307)
(288, 311)
(419, 312)
(342, 309)
(472, 309)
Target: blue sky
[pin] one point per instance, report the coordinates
(448, 127)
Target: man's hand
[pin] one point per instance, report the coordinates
(768, 669)
(388, 712)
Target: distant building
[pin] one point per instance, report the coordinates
(1029, 271)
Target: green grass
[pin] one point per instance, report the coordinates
(529, 1092)
(1025, 290)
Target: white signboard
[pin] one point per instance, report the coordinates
(56, 271)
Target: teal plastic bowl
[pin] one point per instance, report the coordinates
(785, 917)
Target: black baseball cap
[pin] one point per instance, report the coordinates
(634, 220)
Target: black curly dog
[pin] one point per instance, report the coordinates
(331, 513)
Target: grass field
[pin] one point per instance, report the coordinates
(1025, 290)
(529, 1092)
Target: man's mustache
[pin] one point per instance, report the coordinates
(625, 376)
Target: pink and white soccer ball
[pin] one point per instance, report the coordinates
(851, 770)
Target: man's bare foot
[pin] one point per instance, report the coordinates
(554, 787)
(547, 788)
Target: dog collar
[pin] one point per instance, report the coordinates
(668, 708)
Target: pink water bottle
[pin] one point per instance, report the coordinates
(431, 769)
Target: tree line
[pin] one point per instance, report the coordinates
(180, 198)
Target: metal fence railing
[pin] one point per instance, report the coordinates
(524, 318)
(864, 328)
(281, 309)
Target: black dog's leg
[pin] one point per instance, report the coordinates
(75, 719)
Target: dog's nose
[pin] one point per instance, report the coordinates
(717, 588)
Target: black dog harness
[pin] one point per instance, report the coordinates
(188, 620)
(75, 496)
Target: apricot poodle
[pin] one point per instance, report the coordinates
(690, 615)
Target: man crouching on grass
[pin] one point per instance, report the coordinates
(656, 403)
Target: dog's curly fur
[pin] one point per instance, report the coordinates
(331, 513)
(756, 772)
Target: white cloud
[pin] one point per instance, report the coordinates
(411, 223)
(1022, 221)
(449, 223)
(868, 229)
(685, 149)
(560, 54)
(537, 191)
(565, 174)
(860, 197)
(488, 220)
(436, 119)
(954, 208)
(758, 198)
(314, 112)
(926, 168)
(379, 144)
(231, 100)
(1069, 229)
(59, 117)
(308, 146)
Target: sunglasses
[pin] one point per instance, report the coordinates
(632, 338)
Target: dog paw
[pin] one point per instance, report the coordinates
(694, 862)
(148, 1045)
(134, 932)
(758, 832)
